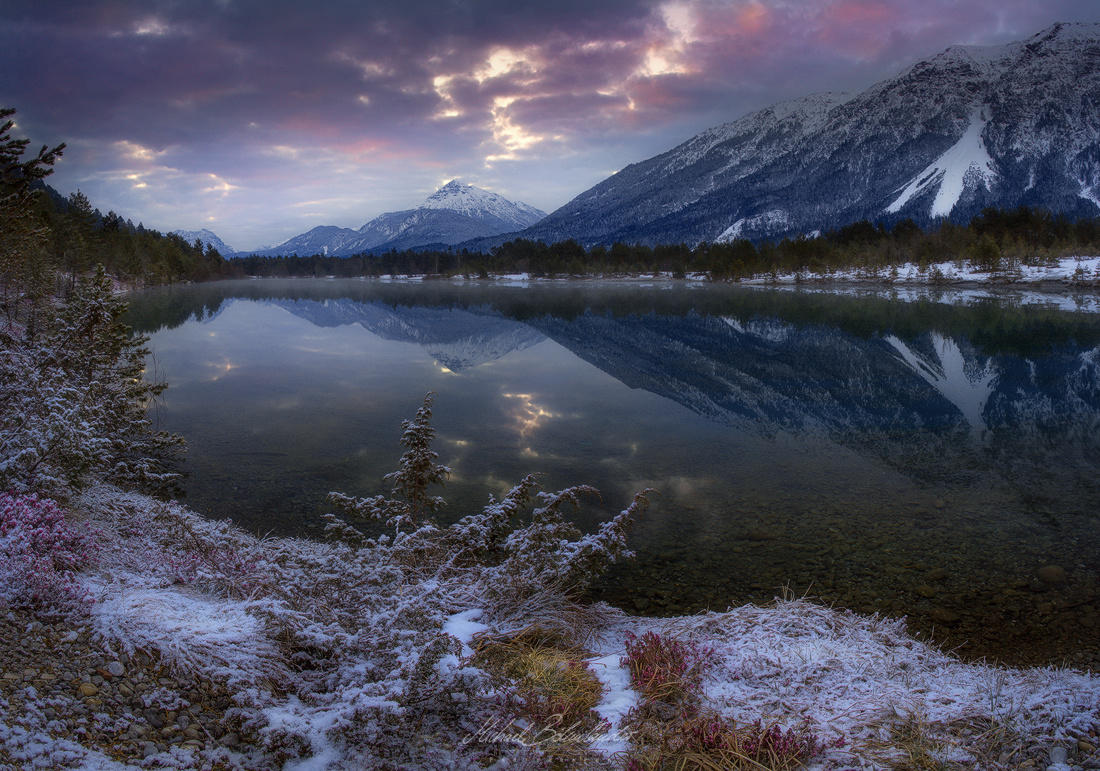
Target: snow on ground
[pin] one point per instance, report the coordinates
(846, 675)
(960, 283)
(618, 699)
(839, 674)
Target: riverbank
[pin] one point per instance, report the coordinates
(200, 646)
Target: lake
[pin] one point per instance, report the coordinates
(937, 457)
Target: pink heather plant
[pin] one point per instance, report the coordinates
(40, 554)
(664, 668)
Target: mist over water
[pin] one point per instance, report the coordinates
(924, 458)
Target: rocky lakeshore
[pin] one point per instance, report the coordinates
(60, 684)
(186, 657)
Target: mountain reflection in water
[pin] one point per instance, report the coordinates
(917, 458)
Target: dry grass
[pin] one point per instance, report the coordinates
(553, 690)
(915, 744)
(709, 742)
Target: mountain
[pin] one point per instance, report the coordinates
(451, 215)
(1004, 126)
(323, 239)
(207, 237)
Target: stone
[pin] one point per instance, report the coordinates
(1052, 575)
(116, 669)
(924, 590)
(1085, 746)
(88, 690)
(943, 615)
(935, 574)
(154, 718)
(230, 740)
(148, 749)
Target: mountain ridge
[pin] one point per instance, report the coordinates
(208, 237)
(454, 213)
(1004, 126)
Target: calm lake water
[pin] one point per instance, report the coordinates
(927, 459)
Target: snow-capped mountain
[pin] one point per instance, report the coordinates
(207, 237)
(482, 205)
(451, 215)
(323, 239)
(1010, 125)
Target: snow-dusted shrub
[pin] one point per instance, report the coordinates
(508, 559)
(356, 649)
(40, 554)
(73, 400)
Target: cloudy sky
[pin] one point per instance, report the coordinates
(259, 119)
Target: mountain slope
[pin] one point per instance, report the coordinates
(207, 237)
(1002, 126)
(451, 215)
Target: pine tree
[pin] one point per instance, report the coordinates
(26, 278)
(74, 402)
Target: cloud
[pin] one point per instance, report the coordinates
(284, 102)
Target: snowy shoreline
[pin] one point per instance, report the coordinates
(213, 605)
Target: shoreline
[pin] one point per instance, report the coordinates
(156, 642)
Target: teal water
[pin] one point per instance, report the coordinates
(930, 459)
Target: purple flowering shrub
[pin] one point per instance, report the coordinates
(40, 553)
(664, 668)
(671, 730)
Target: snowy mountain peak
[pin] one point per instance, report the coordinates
(207, 237)
(452, 214)
(476, 202)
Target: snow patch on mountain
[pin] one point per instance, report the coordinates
(1089, 193)
(966, 163)
(760, 224)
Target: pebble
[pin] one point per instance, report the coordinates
(1052, 575)
(1085, 746)
(924, 590)
(104, 702)
(943, 616)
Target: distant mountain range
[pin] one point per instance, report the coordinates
(452, 214)
(1003, 126)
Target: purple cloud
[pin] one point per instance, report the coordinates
(260, 119)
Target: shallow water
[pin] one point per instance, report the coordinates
(919, 458)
